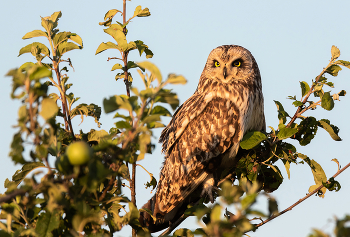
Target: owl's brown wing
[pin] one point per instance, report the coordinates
(202, 129)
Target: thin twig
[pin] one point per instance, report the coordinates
(300, 200)
(12, 195)
(110, 184)
(308, 94)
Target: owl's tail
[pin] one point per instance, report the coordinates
(163, 220)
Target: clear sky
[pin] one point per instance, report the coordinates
(291, 41)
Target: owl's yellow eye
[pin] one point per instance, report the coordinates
(237, 63)
(217, 64)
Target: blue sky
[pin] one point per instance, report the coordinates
(291, 41)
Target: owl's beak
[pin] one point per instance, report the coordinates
(225, 72)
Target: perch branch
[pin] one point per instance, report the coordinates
(300, 200)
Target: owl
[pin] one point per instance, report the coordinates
(202, 139)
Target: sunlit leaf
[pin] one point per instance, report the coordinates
(326, 126)
(28, 49)
(34, 33)
(119, 36)
(305, 88)
(327, 101)
(152, 68)
(116, 66)
(77, 39)
(335, 52)
(67, 46)
(175, 79)
(108, 45)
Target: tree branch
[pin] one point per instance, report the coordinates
(300, 200)
(12, 195)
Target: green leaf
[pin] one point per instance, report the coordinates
(248, 200)
(282, 114)
(60, 37)
(145, 12)
(160, 110)
(183, 232)
(319, 175)
(333, 70)
(39, 72)
(34, 33)
(327, 101)
(108, 45)
(343, 63)
(28, 49)
(298, 103)
(91, 110)
(46, 223)
(123, 124)
(131, 64)
(166, 96)
(335, 52)
(116, 102)
(174, 79)
(151, 118)
(21, 174)
(119, 36)
(326, 126)
(332, 185)
(252, 139)
(77, 39)
(50, 23)
(152, 68)
(67, 46)
(273, 207)
(307, 130)
(109, 16)
(286, 133)
(305, 88)
(97, 135)
(287, 166)
(49, 108)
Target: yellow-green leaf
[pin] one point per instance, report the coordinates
(34, 33)
(108, 45)
(152, 68)
(28, 49)
(335, 52)
(327, 101)
(116, 66)
(174, 79)
(77, 39)
(330, 130)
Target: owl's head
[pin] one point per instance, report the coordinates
(229, 64)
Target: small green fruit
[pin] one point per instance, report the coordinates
(79, 153)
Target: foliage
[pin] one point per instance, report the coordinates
(82, 200)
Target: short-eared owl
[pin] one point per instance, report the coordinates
(203, 137)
